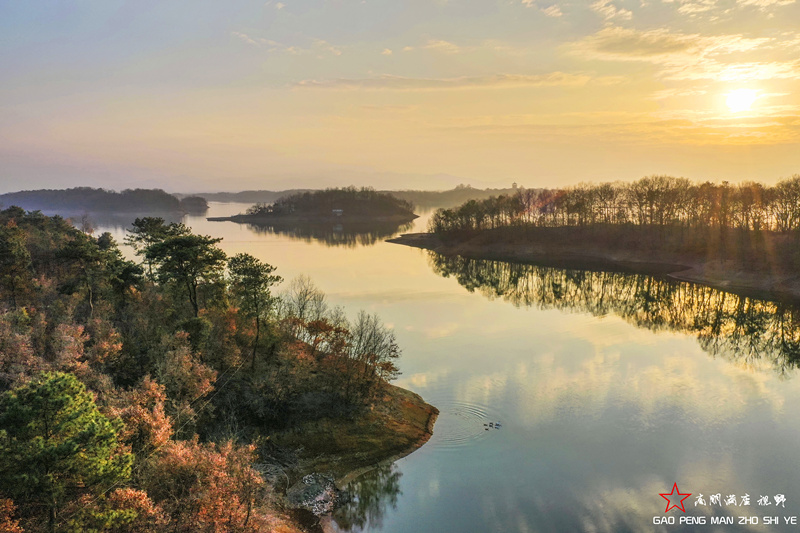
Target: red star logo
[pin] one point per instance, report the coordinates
(674, 496)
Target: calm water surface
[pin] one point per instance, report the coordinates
(608, 389)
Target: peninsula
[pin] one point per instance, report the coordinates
(198, 393)
(740, 238)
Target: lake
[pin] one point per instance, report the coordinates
(608, 388)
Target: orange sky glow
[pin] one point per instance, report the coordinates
(209, 96)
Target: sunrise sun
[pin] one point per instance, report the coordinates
(741, 100)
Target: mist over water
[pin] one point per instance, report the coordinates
(608, 388)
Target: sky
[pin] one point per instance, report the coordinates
(266, 94)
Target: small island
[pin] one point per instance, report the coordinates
(740, 238)
(335, 206)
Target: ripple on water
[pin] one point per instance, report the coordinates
(460, 424)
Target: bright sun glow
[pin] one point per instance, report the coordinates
(741, 100)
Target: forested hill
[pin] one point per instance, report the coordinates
(87, 199)
(347, 202)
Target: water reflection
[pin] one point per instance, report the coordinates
(349, 234)
(745, 330)
(372, 494)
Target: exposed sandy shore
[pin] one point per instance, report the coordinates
(723, 275)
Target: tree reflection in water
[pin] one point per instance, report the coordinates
(371, 495)
(348, 234)
(742, 329)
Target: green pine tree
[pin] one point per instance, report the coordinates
(55, 445)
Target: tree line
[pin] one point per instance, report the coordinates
(139, 396)
(653, 201)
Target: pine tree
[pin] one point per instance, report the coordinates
(56, 445)
(250, 282)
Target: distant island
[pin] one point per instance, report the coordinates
(421, 199)
(349, 204)
(743, 238)
(95, 200)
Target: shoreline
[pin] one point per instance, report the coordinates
(396, 426)
(721, 275)
(416, 445)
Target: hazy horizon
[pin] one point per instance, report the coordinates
(208, 97)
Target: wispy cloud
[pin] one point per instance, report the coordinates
(706, 7)
(441, 46)
(399, 83)
(607, 10)
(683, 56)
(552, 11)
(766, 4)
(317, 47)
(694, 7)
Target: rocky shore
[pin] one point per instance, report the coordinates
(337, 451)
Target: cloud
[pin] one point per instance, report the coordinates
(438, 45)
(765, 4)
(683, 56)
(609, 11)
(443, 46)
(317, 47)
(696, 7)
(399, 83)
(552, 11)
(387, 52)
(693, 7)
(615, 43)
